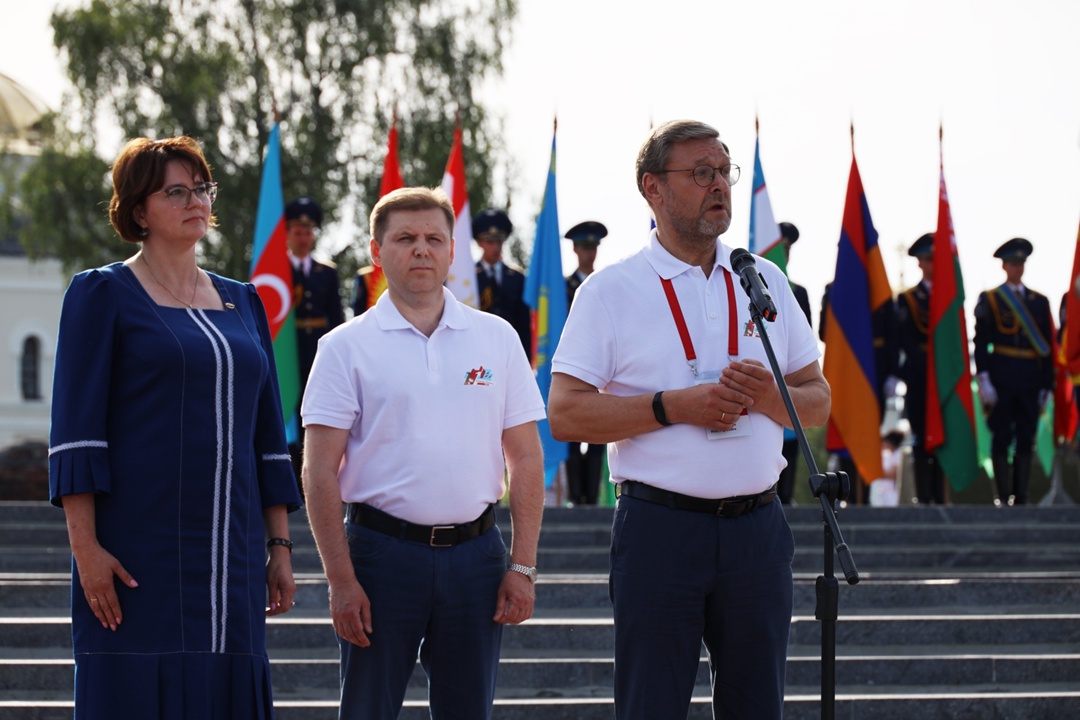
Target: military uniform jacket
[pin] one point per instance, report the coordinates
(912, 325)
(1005, 349)
(317, 299)
(506, 301)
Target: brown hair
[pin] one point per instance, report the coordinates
(139, 170)
(412, 198)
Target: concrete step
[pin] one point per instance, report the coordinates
(958, 557)
(1048, 701)
(586, 674)
(594, 631)
(23, 592)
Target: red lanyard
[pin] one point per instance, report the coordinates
(684, 332)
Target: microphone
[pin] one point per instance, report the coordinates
(744, 265)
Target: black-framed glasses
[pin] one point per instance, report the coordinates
(705, 175)
(180, 196)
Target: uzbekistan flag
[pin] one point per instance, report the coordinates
(764, 232)
(545, 293)
(391, 181)
(950, 415)
(860, 287)
(272, 277)
(462, 278)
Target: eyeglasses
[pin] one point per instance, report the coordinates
(704, 175)
(180, 196)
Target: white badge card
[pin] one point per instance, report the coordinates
(742, 427)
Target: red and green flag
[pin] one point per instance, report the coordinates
(950, 415)
(271, 275)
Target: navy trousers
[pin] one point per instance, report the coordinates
(681, 578)
(437, 603)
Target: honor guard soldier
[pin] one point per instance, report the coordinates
(500, 286)
(583, 469)
(1015, 369)
(913, 317)
(316, 292)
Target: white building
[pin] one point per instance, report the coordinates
(30, 293)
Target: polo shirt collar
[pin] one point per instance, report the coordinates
(390, 318)
(668, 266)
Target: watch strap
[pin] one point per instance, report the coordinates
(658, 409)
(529, 572)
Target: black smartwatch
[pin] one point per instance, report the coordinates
(658, 409)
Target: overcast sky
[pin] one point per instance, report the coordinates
(1003, 77)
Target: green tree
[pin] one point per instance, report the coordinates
(219, 71)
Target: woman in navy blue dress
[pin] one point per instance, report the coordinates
(168, 456)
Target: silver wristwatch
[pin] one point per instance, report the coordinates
(529, 572)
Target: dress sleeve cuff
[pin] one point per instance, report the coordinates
(277, 482)
(78, 470)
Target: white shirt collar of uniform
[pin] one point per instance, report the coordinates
(668, 266)
(1018, 288)
(303, 264)
(390, 318)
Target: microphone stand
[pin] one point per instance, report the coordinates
(828, 488)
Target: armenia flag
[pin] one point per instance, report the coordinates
(860, 288)
(271, 275)
(545, 293)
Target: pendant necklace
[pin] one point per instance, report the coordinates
(189, 304)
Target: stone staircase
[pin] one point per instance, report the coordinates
(962, 612)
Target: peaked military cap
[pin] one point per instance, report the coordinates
(305, 211)
(1015, 250)
(492, 225)
(789, 232)
(587, 234)
(922, 247)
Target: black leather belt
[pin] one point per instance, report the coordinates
(731, 507)
(432, 535)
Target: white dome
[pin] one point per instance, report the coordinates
(20, 111)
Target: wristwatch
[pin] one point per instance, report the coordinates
(529, 572)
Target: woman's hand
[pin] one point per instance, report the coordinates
(97, 567)
(280, 585)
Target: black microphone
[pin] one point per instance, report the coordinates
(744, 265)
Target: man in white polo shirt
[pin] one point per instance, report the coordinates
(410, 410)
(659, 357)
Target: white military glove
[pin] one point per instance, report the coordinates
(986, 390)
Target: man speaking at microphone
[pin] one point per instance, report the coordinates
(660, 357)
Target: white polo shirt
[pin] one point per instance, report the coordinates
(425, 414)
(621, 338)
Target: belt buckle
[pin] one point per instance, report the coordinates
(435, 529)
(720, 508)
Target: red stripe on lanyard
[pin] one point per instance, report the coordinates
(684, 332)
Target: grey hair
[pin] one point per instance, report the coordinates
(656, 150)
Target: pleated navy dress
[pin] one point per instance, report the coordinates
(172, 417)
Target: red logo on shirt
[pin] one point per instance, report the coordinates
(751, 329)
(479, 376)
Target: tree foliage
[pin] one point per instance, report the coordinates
(219, 71)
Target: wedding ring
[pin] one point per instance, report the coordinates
(723, 418)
